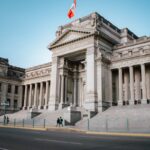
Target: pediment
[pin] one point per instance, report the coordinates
(69, 36)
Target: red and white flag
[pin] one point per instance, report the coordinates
(71, 12)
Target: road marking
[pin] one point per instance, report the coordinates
(57, 141)
(3, 148)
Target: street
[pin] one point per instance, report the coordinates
(19, 139)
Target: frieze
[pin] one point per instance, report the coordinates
(38, 73)
(131, 62)
(131, 52)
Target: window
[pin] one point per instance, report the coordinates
(16, 89)
(15, 103)
(9, 88)
(8, 101)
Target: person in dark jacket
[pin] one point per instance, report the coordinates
(58, 122)
(61, 121)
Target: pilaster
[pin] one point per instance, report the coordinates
(132, 98)
(25, 98)
(46, 96)
(120, 102)
(144, 97)
(91, 93)
(53, 102)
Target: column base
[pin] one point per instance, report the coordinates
(34, 107)
(90, 103)
(53, 107)
(91, 106)
(45, 107)
(131, 102)
(144, 101)
(29, 107)
(39, 107)
(99, 106)
(24, 107)
(60, 106)
(120, 103)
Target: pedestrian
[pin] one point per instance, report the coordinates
(58, 122)
(7, 119)
(61, 121)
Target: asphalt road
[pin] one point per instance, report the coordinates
(18, 139)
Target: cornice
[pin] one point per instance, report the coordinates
(71, 41)
(132, 43)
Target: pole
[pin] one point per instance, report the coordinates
(33, 123)
(23, 122)
(88, 124)
(44, 122)
(106, 125)
(14, 122)
(127, 124)
(4, 111)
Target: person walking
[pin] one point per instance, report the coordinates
(61, 121)
(7, 120)
(58, 122)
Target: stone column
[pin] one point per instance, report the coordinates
(30, 97)
(62, 91)
(75, 92)
(137, 85)
(120, 102)
(25, 97)
(80, 91)
(4, 93)
(91, 94)
(20, 96)
(99, 84)
(59, 88)
(35, 96)
(144, 98)
(110, 87)
(12, 97)
(66, 88)
(148, 83)
(53, 102)
(131, 85)
(126, 84)
(41, 96)
(46, 96)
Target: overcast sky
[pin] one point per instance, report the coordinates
(28, 26)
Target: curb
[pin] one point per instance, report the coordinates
(146, 135)
(119, 134)
(26, 128)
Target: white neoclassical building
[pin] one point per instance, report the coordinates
(94, 65)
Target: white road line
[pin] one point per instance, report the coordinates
(3, 148)
(57, 141)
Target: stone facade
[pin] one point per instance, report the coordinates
(10, 86)
(94, 65)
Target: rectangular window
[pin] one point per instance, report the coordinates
(9, 88)
(16, 89)
(15, 103)
(8, 101)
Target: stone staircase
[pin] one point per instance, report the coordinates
(119, 118)
(18, 116)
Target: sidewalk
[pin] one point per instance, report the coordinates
(66, 129)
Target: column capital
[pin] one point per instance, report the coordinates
(90, 50)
